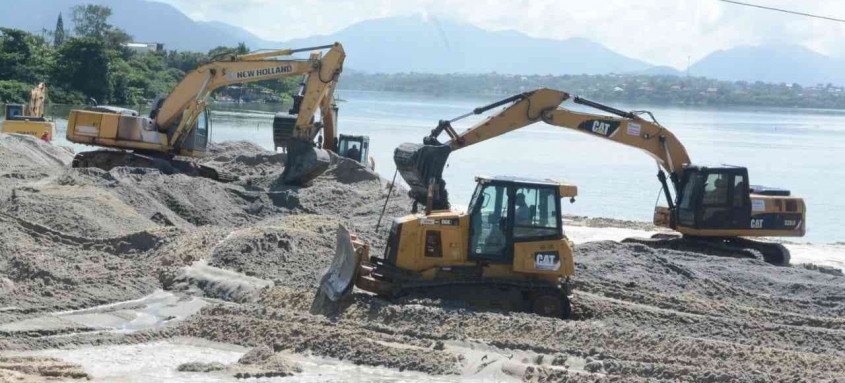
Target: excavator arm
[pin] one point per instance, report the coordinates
(179, 111)
(422, 165)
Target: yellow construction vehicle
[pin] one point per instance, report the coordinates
(29, 119)
(713, 207)
(179, 125)
(510, 240)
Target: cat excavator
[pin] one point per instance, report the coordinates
(713, 210)
(179, 124)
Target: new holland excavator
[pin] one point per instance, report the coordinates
(29, 119)
(713, 208)
(510, 240)
(179, 125)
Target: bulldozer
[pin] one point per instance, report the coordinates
(713, 209)
(179, 124)
(510, 239)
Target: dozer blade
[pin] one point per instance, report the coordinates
(420, 163)
(339, 278)
(304, 162)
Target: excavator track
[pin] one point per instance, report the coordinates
(109, 159)
(736, 247)
(539, 297)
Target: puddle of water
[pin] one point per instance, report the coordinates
(158, 361)
(152, 311)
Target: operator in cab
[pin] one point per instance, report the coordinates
(353, 153)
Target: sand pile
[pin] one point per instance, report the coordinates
(254, 251)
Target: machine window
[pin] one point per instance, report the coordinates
(739, 194)
(202, 123)
(490, 220)
(716, 189)
(351, 149)
(535, 213)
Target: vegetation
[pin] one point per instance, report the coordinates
(95, 62)
(639, 89)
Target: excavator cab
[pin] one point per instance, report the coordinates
(354, 147)
(714, 198)
(198, 138)
(721, 198)
(14, 111)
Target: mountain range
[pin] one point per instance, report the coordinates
(431, 45)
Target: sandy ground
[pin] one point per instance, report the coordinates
(131, 275)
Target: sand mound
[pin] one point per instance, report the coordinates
(254, 250)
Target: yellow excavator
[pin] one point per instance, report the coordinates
(29, 119)
(179, 124)
(509, 246)
(714, 208)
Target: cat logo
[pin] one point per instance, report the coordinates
(547, 261)
(601, 127)
(757, 223)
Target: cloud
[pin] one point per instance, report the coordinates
(663, 32)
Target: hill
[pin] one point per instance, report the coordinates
(146, 21)
(771, 63)
(415, 44)
(397, 44)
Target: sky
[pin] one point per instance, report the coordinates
(661, 32)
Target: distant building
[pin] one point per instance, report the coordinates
(145, 47)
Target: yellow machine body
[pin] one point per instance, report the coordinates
(38, 129)
(420, 252)
(29, 119)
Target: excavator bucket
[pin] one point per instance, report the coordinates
(339, 278)
(304, 162)
(418, 165)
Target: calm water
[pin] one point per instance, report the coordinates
(800, 150)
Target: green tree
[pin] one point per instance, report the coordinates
(23, 56)
(83, 66)
(91, 20)
(14, 91)
(14, 53)
(59, 32)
